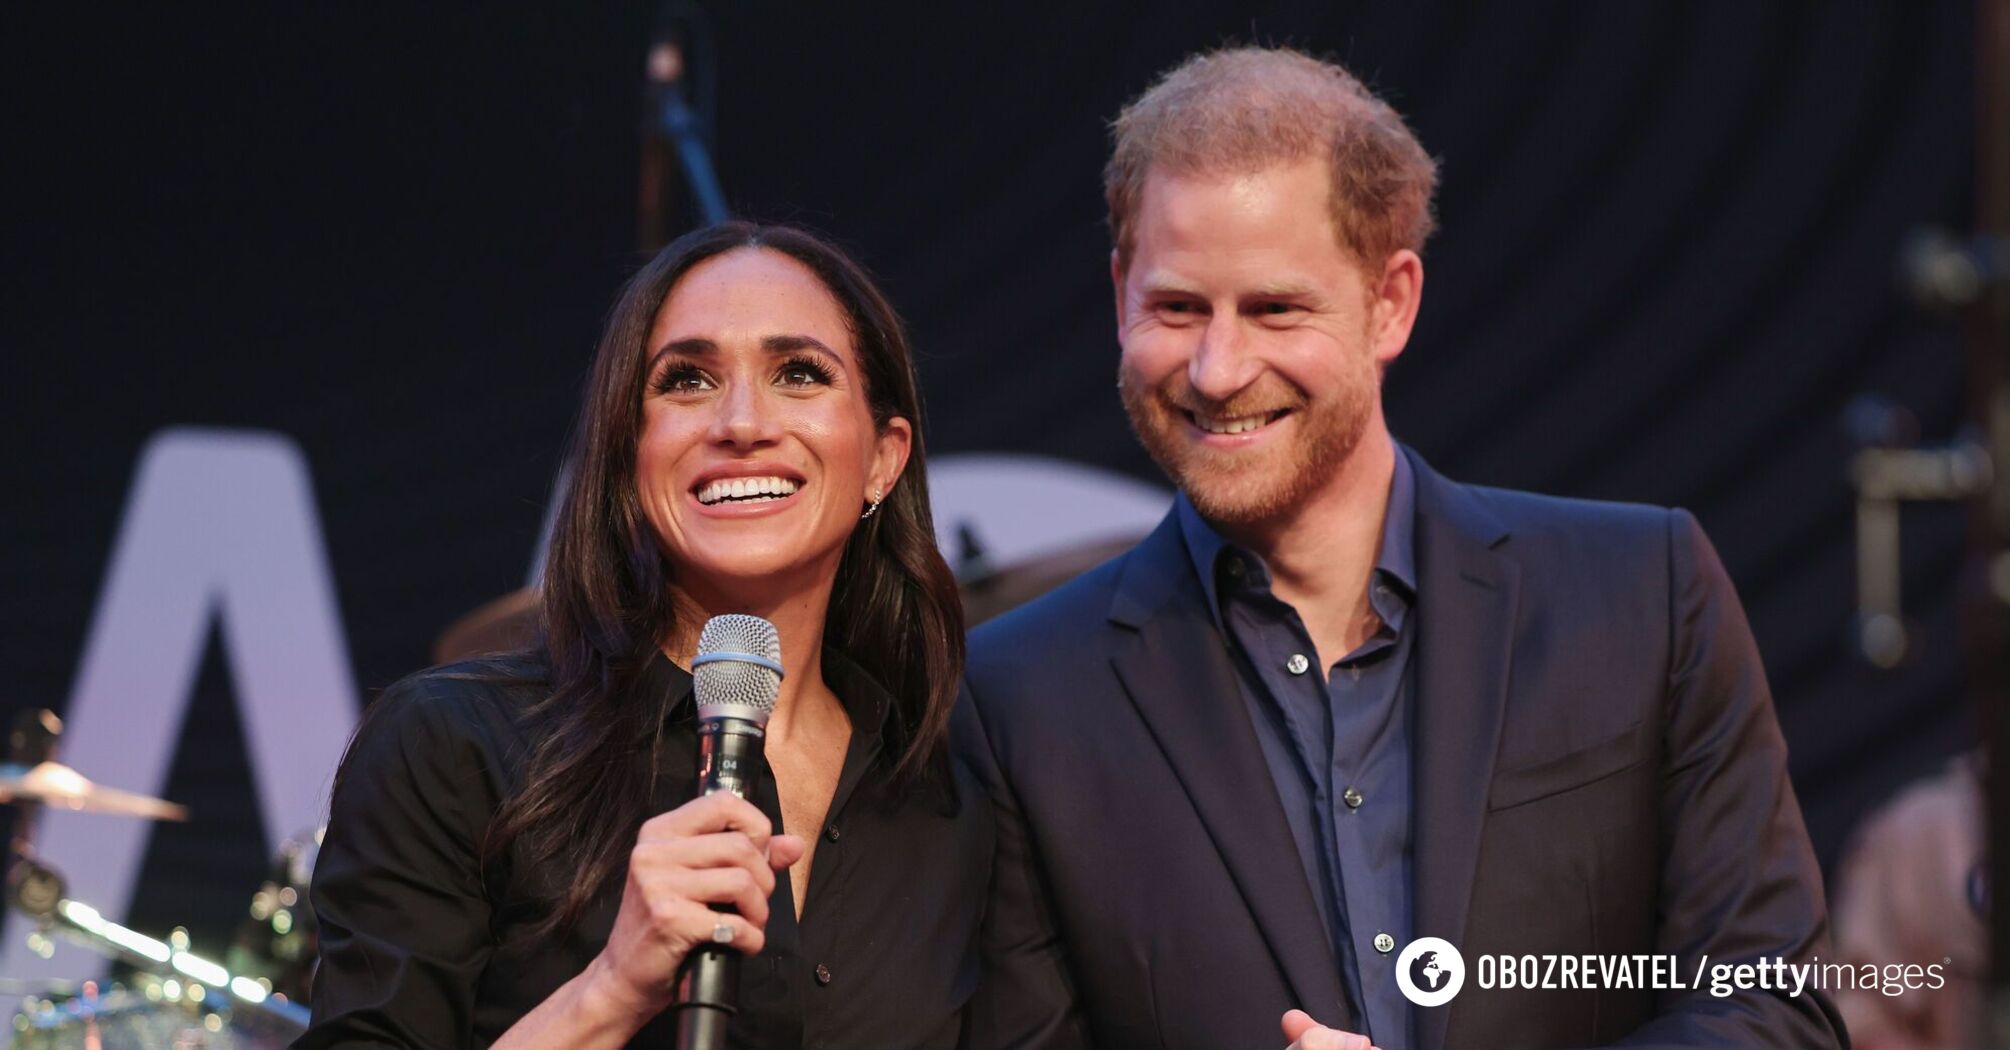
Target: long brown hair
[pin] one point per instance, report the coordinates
(606, 600)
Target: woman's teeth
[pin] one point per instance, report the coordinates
(747, 490)
(1236, 425)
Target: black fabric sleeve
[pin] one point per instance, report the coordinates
(1025, 999)
(1739, 880)
(398, 890)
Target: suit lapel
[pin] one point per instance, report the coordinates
(1176, 670)
(1466, 618)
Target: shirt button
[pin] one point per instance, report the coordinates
(831, 832)
(824, 972)
(1383, 943)
(1297, 664)
(1353, 800)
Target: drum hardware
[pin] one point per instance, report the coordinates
(279, 940)
(57, 785)
(168, 972)
(144, 1013)
(175, 974)
(1888, 471)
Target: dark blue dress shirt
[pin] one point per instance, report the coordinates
(1337, 740)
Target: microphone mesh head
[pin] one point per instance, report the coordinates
(729, 688)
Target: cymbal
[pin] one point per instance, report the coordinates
(1002, 590)
(499, 625)
(60, 787)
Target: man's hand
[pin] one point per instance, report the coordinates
(1307, 1034)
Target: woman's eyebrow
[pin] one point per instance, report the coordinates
(684, 348)
(789, 344)
(773, 345)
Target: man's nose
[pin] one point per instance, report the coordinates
(1222, 364)
(745, 418)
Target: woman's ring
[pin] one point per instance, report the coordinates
(723, 933)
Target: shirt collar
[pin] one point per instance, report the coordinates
(1396, 560)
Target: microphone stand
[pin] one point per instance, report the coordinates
(673, 119)
(677, 121)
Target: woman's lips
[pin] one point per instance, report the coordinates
(750, 489)
(748, 505)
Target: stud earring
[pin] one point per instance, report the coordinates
(875, 506)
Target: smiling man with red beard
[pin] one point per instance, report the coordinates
(1337, 702)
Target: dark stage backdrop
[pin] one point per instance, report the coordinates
(1666, 265)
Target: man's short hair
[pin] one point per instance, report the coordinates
(1245, 109)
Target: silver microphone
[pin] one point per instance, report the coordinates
(737, 675)
(738, 668)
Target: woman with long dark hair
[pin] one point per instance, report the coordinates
(514, 854)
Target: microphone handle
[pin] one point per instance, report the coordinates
(708, 983)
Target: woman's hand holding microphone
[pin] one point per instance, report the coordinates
(717, 849)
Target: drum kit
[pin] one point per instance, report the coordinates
(169, 997)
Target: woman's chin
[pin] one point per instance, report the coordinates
(732, 563)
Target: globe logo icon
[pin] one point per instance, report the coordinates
(1430, 971)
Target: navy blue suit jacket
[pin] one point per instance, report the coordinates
(1598, 770)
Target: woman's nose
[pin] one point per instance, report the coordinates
(744, 419)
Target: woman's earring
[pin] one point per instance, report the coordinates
(875, 505)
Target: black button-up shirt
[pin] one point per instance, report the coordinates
(1337, 741)
(421, 947)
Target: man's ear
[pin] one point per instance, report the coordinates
(1117, 286)
(1393, 301)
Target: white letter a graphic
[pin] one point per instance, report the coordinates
(220, 525)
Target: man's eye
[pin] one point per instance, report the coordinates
(1275, 309)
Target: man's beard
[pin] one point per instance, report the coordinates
(1247, 487)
